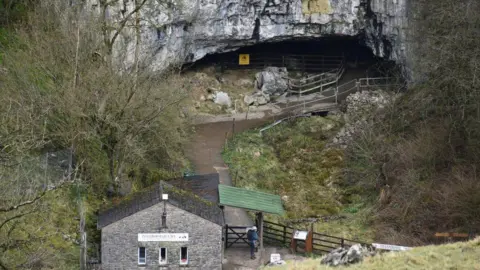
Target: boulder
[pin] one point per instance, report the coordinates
(257, 98)
(223, 99)
(345, 256)
(272, 81)
(249, 100)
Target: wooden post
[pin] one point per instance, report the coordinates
(284, 234)
(233, 127)
(309, 242)
(260, 227)
(342, 243)
(226, 236)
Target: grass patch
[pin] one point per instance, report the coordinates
(452, 256)
(292, 160)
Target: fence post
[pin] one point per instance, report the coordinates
(284, 234)
(343, 242)
(336, 91)
(226, 236)
(233, 127)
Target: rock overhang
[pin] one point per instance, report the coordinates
(195, 28)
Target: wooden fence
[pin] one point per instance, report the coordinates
(281, 235)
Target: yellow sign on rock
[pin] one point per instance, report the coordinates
(244, 59)
(316, 6)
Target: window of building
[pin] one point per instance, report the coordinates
(183, 255)
(162, 257)
(142, 255)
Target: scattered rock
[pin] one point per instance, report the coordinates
(360, 109)
(223, 99)
(244, 83)
(256, 154)
(211, 97)
(281, 262)
(257, 98)
(345, 256)
(202, 98)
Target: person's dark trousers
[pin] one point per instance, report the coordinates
(252, 249)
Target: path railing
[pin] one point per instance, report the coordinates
(317, 82)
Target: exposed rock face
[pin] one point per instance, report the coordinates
(345, 256)
(175, 31)
(361, 107)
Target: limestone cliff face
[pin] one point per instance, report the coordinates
(175, 31)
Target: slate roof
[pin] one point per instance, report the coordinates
(177, 197)
(205, 186)
(250, 199)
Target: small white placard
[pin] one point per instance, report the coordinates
(300, 235)
(162, 237)
(390, 247)
(275, 257)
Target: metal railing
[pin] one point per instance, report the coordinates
(318, 82)
(293, 62)
(339, 93)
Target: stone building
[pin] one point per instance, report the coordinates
(151, 231)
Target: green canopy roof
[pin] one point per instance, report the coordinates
(249, 199)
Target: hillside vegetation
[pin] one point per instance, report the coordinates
(423, 152)
(413, 170)
(60, 93)
(451, 256)
(292, 160)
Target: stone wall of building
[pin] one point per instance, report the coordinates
(120, 240)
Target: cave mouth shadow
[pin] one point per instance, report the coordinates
(356, 55)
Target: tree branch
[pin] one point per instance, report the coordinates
(32, 201)
(124, 22)
(12, 218)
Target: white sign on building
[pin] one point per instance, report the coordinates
(162, 237)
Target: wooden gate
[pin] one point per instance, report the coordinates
(236, 235)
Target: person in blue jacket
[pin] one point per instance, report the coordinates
(252, 236)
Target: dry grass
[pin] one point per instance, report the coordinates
(451, 256)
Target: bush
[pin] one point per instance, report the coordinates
(421, 157)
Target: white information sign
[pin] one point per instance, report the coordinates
(275, 257)
(390, 247)
(162, 237)
(300, 235)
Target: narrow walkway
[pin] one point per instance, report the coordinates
(205, 152)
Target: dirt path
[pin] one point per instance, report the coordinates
(205, 152)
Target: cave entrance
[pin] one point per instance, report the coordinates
(312, 56)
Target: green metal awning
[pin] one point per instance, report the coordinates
(250, 200)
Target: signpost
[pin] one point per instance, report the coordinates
(275, 257)
(300, 235)
(244, 59)
(163, 237)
